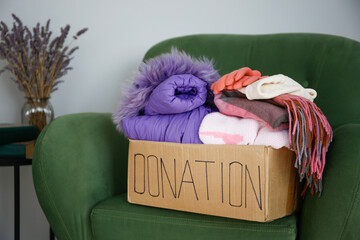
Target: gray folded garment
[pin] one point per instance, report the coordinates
(235, 103)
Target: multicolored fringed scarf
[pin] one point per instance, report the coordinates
(310, 135)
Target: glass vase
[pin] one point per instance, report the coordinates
(37, 111)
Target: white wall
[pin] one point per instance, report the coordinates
(119, 34)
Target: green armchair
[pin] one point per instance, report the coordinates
(80, 160)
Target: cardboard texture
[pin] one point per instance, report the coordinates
(254, 183)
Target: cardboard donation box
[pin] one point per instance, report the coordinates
(254, 183)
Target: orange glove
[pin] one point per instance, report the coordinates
(236, 79)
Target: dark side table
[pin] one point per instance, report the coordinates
(15, 155)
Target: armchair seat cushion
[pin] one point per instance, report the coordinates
(115, 218)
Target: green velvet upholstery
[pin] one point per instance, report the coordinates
(114, 215)
(80, 160)
(337, 213)
(329, 64)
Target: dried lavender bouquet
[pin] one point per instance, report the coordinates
(36, 61)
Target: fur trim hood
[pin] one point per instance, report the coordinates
(154, 71)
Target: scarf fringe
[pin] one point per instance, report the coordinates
(310, 135)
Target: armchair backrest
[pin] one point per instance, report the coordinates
(329, 64)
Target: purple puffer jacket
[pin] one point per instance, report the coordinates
(173, 112)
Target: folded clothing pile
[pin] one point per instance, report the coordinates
(266, 121)
(218, 128)
(172, 100)
(283, 107)
(170, 97)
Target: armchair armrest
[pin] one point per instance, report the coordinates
(79, 160)
(336, 214)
